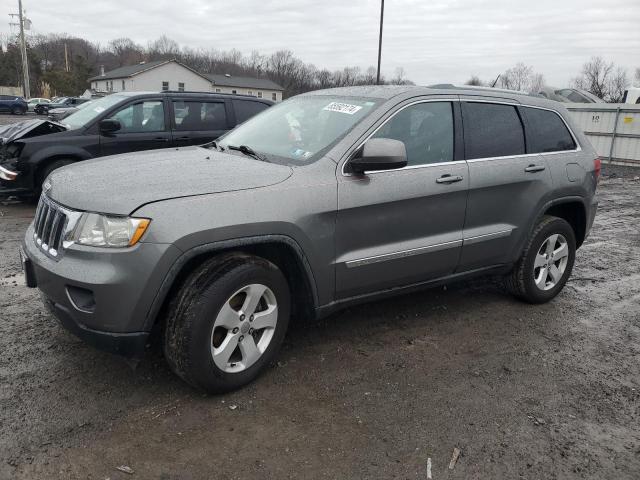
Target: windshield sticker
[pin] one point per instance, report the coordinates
(342, 108)
(99, 109)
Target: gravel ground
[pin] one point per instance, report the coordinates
(549, 391)
(6, 119)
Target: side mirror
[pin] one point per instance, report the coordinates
(109, 125)
(380, 154)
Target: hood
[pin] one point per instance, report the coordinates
(28, 128)
(122, 183)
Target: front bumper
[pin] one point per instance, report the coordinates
(103, 296)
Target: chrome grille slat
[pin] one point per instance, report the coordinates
(49, 226)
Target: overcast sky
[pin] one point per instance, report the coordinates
(435, 41)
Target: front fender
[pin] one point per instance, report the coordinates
(220, 246)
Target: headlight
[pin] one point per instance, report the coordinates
(106, 231)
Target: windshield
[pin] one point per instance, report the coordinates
(301, 129)
(86, 115)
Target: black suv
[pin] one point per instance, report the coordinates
(117, 123)
(13, 104)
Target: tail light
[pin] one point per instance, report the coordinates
(597, 168)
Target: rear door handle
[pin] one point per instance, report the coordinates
(448, 178)
(534, 168)
(161, 139)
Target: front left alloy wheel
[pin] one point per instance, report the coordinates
(227, 322)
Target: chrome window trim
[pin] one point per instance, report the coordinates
(453, 162)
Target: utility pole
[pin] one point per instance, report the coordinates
(66, 58)
(23, 50)
(380, 42)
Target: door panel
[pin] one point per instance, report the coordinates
(503, 197)
(506, 189)
(144, 127)
(399, 227)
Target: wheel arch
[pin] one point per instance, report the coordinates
(281, 250)
(574, 211)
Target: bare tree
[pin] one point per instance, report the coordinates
(602, 79)
(126, 51)
(617, 85)
(163, 48)
(637, 77)
(595, 77)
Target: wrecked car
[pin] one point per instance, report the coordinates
(118, 123)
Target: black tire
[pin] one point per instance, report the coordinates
(17, 111)
(192, 312)
(521, 281)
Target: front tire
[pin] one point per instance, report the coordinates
(227, 322)
(546, 262)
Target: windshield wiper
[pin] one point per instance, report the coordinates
(247, 151)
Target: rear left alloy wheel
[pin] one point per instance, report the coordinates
(546, 262)
(227, 322)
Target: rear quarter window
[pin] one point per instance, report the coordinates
(547, 132)
(492, 130)
(245, 109)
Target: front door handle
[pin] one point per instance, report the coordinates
(448, 178)
(534, 168)
(161, 139)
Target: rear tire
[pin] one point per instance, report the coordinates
(546, 262)
(17, 111)
(209, 339)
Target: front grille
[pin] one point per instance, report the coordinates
(49, 226)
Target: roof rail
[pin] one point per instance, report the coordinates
(481, 88)
(211, 93)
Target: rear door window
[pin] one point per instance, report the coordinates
(199, 115)
(245, 109)
(492, 130)
(547, 132)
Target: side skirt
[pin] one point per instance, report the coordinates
(337, 305)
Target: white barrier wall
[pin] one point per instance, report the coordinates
(612, 128)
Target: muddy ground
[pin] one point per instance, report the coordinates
(539, 392)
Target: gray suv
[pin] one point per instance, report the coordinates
(331, 198)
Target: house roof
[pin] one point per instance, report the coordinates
(242, 82)
(221, 80)
(129, 70)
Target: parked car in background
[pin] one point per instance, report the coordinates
(35, 101)
(326, 200)
(569, 95)
(117, 123)
(57, 114)
(13, 104)
(43, 108)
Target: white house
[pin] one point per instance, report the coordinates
(173, 75)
